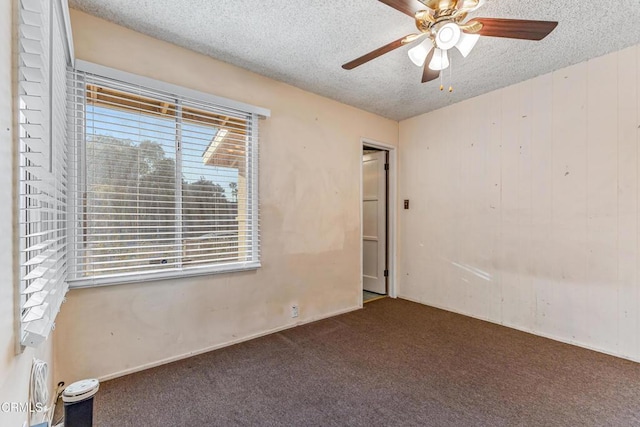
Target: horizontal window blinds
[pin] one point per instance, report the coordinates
(42, 97)
(164, 184)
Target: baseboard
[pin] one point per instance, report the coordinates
(529, 331)
(224, 344)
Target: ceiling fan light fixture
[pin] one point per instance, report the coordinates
(448, 36)
(418, 54)
(440, 60)
(466, 43)
(443, 24)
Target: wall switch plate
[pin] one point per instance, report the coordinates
(294, 311)
(406, 203)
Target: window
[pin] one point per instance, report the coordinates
(164, 184)
(44, 54)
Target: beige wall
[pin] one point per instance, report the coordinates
(14, 369)
(310, 221)
(524, 205)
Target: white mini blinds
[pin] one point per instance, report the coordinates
(163, 184)
(44, 54)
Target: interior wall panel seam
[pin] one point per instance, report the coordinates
(618, 281)
(637, 64)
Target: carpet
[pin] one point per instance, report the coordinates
(393, 363)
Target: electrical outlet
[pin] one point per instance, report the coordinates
(294, 311)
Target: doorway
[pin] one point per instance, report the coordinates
(375, 223)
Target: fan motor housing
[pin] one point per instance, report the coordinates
(428, 22)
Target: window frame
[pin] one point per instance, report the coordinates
(164, 88)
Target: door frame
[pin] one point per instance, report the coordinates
(392, 205)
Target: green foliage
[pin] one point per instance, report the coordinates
(131, 191)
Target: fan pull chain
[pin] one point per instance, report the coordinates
(441, 83)
(450, 74)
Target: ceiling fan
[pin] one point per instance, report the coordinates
(440, 26)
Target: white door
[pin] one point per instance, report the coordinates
(374, 222)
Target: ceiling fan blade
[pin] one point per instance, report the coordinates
(428, 74)
(381, 51)
(510, 28)
(410, 7)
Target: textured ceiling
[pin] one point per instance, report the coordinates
(304, 43)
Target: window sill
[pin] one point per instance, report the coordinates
(131, 278)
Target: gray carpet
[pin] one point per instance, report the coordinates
(392, 363)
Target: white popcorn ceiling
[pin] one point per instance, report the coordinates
(304, 43)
